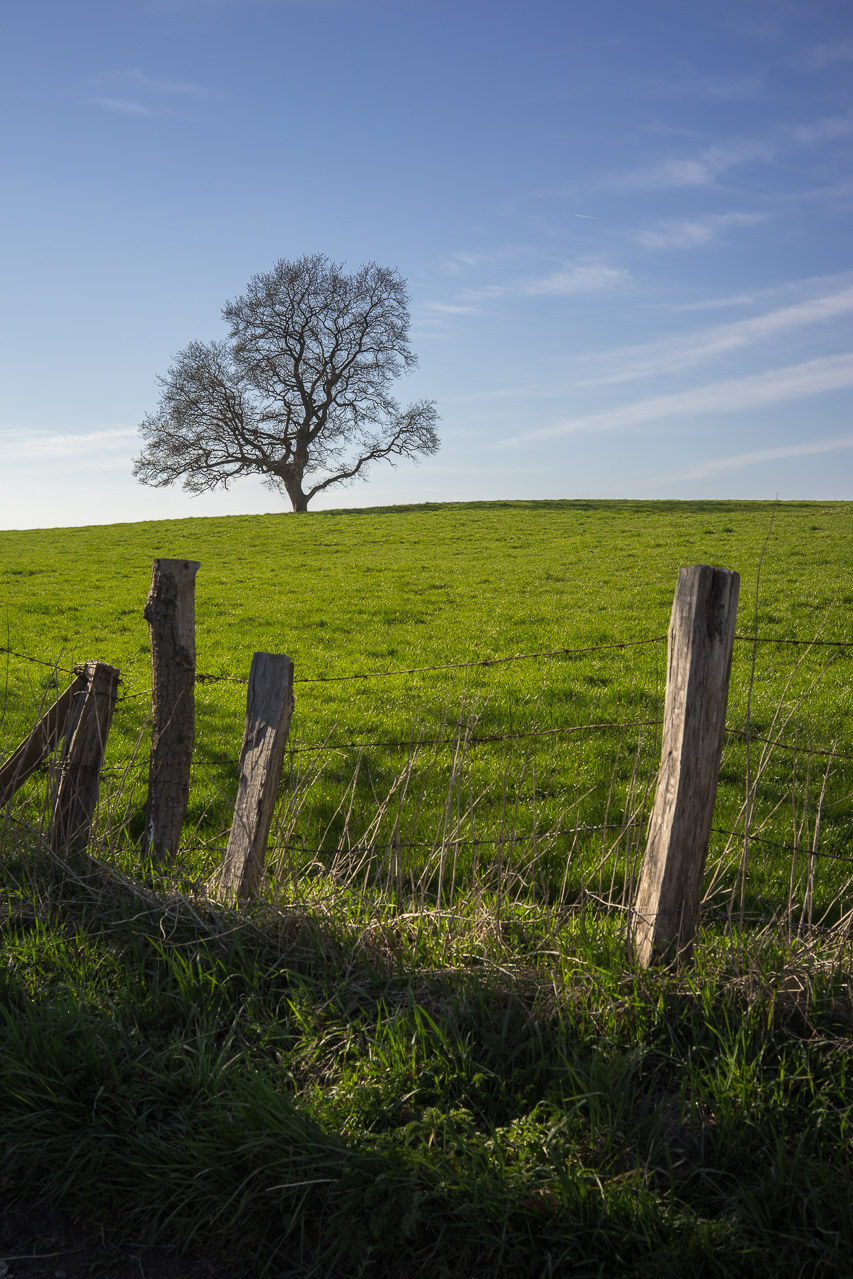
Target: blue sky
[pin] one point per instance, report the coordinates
(625, 226)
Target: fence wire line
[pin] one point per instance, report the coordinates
(465, 739)
(777, 741)
(206, 677)
(295, 748)
(447, 666)
(532, 836)
(25, 657)
(202, 677)
(515, 657)
(781, 639)
(827, 930)
(787, 848)
(477, 739)
(468, 842)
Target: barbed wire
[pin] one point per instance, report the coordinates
(802, 926)
(476, 739)
(513, 657)
(479, 738)
(484, 738)
(467, 739)
(782, 639)
(472, 841)
(785, 746)
(204, 677)
(39, 661)
(446, 666)
(134, 697)
(530, 837)
(787, 848)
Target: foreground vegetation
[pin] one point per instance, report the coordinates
(423, 1052)
(327, 1090)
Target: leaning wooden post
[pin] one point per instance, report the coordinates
(43, 739)
(269, 708)
(76, 796)
(701, 636)
(170, 613)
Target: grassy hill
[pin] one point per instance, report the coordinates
(424, 1052)
(354, 592)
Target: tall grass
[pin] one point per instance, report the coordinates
(327, 1084)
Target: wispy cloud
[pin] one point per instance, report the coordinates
(668, 173)
(674, 353)
(693, 171)
(578, 277)
(705, 168)
(572, 277)
(736, 461)
(568, 279)
(806, 289)
(55, 446)
(450, 308)
(149, 92)
(820, 56)
(184, 88)
(688, 82)
(691, 233)
(461, 260)
(728, 302)
(475, 259)
(815, 377)
(465, 260)
(669, 354)
(839, 126)
(125, 106)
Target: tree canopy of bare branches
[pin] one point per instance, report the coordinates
(299, 392)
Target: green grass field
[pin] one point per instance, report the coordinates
(360, 591)
(424, 1053)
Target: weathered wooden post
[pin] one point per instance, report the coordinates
(269, 708)
(701, 636)
(76, 795)
(43, 739)
(170, 613)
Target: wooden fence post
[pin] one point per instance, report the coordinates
(269, 708)
(76, 796)
(701, 636)
(170, 613)
(44, 738)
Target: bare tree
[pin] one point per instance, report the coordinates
(300, 390)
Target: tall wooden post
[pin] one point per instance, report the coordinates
(269, 708)
(170, 613)
(76, 796)
(701, 636)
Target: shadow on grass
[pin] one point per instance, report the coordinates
(292, 1090)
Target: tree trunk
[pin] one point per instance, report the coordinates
(292, 481)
